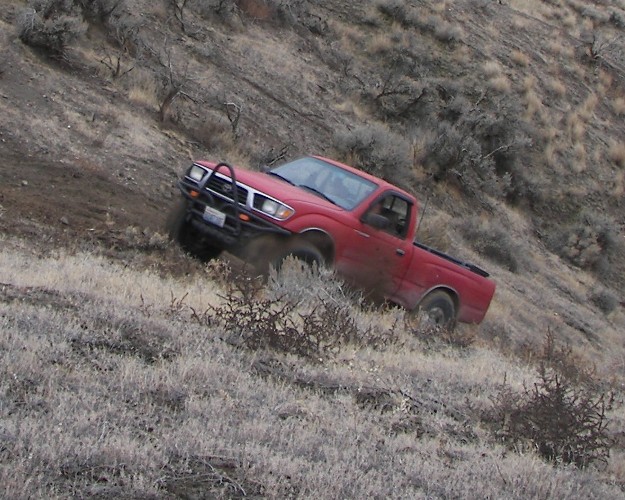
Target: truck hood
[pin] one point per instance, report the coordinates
(282, 190)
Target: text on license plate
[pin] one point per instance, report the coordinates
(214, 216)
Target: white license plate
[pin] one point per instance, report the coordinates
(214, 216)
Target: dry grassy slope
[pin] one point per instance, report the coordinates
(111, 386)
(297, 88)
(555, 52)
(85, 159)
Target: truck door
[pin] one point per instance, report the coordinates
(381, 256)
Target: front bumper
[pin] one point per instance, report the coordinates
(240, 225)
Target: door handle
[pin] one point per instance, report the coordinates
(400, 252)
(364, 235)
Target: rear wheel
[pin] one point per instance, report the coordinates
(437, 310)
(180, 230)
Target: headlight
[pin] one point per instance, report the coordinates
(196, 173)
(272, 208)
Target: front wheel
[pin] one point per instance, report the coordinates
(180, 230)
(437, 310)
(302, 251)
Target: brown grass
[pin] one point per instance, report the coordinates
(111, 386)
(616, 153)
(575, 126)
(556, 88)
(126, 380)
(492, 69)
(500, 84)
(618, 105)
(143, 89)
(520, 58)
(588, 106)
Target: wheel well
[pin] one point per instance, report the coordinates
(322, 241)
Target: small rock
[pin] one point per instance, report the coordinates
(64, 221)
(24, 183)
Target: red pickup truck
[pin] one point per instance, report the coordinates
(322, 211)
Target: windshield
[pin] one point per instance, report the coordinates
(328, 181)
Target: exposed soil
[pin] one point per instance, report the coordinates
(63, 185)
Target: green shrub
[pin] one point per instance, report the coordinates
(491, 239)
(378, 150)
(589, 242)
(605, 300)
(52, 32)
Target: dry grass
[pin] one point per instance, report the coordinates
(126, 381)
(520, 58)
(579, 152)
(500, 84)
(143, 89)
(492, 69)
(561, 51)
(618, 105)
(588, 107)
(616, 153)
(132, 396)
(576, 126)
(556, 88)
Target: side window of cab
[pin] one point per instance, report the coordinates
(391, 214)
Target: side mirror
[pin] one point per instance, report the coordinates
(376, 220)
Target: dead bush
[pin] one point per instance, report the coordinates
(437, 336)
(562, 416)
(564, 361)
(455, 155)
(51, 25)
(617, 19)
(444, 31)
(397, 11)
(563, 423)
(100, 10)
(256, 320)
(313, 321)
(289, 13)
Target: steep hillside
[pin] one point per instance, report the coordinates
(509, 131)
(505, 118)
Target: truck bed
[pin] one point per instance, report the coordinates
(467, 265)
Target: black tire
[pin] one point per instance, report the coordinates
(302, 250)
(437, 309)
(180, 230)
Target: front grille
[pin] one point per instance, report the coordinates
(223, 187)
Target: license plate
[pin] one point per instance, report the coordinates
(214, 216)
